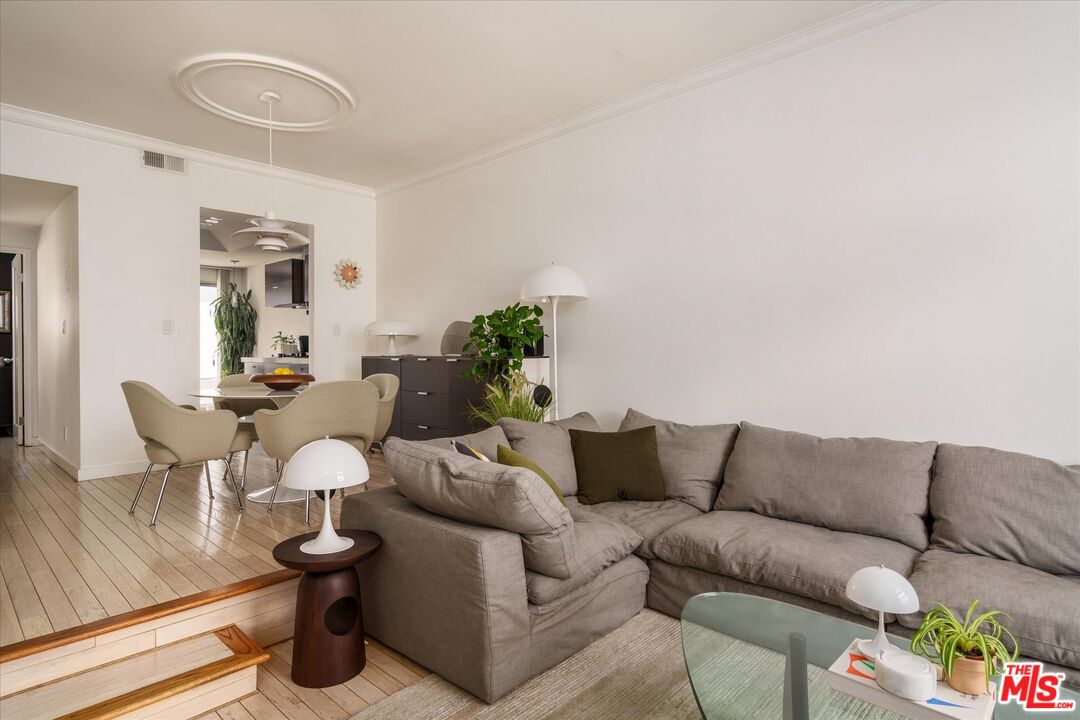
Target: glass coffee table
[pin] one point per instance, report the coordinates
(737, 651)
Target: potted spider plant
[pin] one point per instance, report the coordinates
(969, 650)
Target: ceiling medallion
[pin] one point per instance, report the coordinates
(215, 82)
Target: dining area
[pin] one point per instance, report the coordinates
(275, 417)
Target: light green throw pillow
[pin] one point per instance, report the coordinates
(506, 456)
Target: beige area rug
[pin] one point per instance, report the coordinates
(636, 671)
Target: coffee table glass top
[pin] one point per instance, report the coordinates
(735, 647)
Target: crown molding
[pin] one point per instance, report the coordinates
(78, 128)
(863, 18)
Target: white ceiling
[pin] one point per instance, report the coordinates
(434, 81)
(29, 202)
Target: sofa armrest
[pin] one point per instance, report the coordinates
(447, 594)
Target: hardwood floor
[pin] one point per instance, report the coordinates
(279, 698)
(71, 554)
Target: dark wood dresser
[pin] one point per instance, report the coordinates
(433, 398)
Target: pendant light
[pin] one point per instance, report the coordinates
(270, 232)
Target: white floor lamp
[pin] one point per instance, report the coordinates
(553, 283)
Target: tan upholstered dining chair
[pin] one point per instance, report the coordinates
(244, 409)
(388, 391)
(176, 435)
(345, 410)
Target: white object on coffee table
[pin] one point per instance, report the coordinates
(906, 674)
(887, 591)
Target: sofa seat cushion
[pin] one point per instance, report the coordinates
(869, 486)
(647, 519)
(447, 483)
(548, 445)
(599, 542)
(1008, 506)
(692, 457)
(801, 559)
(1045, 608)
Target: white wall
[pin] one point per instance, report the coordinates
(875, 237)
(58, 335)
(139, 265)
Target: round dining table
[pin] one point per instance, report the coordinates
(257, 392)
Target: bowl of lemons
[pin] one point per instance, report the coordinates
(283, 379)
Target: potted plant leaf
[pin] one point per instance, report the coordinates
(515, 396)
(234, 319)
(970, 651)
(499, 340)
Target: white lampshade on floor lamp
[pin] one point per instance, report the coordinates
(326, 465)
(553, 283)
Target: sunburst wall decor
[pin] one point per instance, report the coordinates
(347, 273)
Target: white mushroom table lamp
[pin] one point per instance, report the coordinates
(326, 465)
(887, 591)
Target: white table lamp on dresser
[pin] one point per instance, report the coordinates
(553, 283)
(391, 329)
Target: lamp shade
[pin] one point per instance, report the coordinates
(879, 588)
(554, 281)
(325, 465)
(392, 328)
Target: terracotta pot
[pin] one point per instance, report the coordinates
(968, 676)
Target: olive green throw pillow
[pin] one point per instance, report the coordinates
(617, 465)
(506, 456)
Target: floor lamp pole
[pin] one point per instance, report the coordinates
(554, 356)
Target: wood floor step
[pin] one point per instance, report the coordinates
(180, 680)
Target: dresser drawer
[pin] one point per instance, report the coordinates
(425, 408)
(423, 432)
(425, 374)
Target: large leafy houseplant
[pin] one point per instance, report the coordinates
(946, 639)
(513, 396)
(234, 319)
(499, 340)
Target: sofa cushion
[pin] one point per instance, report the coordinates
(869, 486)
(447, 483)
(512, 458)
(692, 457)
(598, 542)
(548, 445)
(1008, 506)
(800, 559)
(485, 442)
(617, 466)
(1045, 608)
(647, 519)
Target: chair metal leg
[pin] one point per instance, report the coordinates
(161, 494)
(243, 471)
(235, 486)
(138, 493)
(273, 493)
(206, 469)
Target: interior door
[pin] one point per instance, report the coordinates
(18, 294)
(7, 348)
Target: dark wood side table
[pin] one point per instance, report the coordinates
(328, 641)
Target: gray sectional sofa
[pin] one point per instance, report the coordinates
(487, 579)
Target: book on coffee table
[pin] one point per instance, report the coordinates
(853, 674)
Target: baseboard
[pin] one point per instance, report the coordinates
(102, 471)
(60, 460)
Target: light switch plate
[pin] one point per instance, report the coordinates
(336, 329)
(166, 327)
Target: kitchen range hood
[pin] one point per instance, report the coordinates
(286, 284)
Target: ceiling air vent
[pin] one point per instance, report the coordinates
(160, 161)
